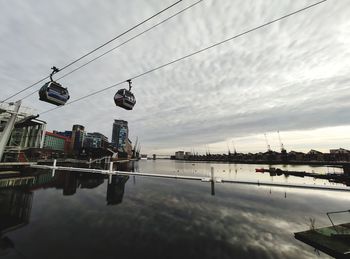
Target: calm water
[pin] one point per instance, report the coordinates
(81, 216)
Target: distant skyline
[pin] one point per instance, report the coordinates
(292, 76)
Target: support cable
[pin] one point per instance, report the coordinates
(189, 55)
(120, 45)
(94, 50)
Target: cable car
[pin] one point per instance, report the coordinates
(125, 98)
(53, 92)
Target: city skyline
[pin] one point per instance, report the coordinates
(291, 76)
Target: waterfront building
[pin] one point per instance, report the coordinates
(180, 155)
(339, 154)
(339, 151)
(95, 140)
(78, 134)
(187, 155)
(28, 134)
(67, 133)
(54, 141)
(296, 156)
(120, 134)
(315, 155)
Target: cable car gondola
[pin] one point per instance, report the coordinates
(53, 92)
(125, 98)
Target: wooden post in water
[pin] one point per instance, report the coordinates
(212, 181)
(54, 167)
(110, 172)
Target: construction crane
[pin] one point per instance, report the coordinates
(228, 149)
(267, 144)
(208, 150)
(283, 150)
(234, 147)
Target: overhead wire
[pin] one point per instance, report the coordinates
(123, 43)
(94, 50)
(189, 55)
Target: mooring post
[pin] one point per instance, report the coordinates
(54, 167)
(110, 172)
(212, 181)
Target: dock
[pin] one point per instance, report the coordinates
(333, 240)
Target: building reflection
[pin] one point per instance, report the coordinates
(115, 189)
(17, 190)
(16, 205)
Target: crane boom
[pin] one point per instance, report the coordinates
(281, 144)
(267, 143)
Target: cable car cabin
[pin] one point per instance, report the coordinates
(54, 93)
(125, 99)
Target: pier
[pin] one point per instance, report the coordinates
(333, 240)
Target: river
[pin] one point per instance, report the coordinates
(72, 215)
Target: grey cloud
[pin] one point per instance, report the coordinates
(291, 75)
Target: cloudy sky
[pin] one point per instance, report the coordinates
(292, 76)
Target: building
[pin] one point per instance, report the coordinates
(339, 154)
(67, 133)
(95, 140)
(180, 155)
(315, 155)
(26, 135)
(339, 151)
(78, 134)
(54, 141)
(120, 135)
(296, 156)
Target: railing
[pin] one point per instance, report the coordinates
(110, 172)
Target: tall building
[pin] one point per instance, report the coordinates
(120, 135)
(95, 140)
(78, 134)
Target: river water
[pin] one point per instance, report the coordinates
(72, 215)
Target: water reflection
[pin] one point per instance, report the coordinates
(20, 188)
(115, 189)
(15, 211)
(155, 218)
(17, 191)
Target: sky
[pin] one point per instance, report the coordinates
(292, 76)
